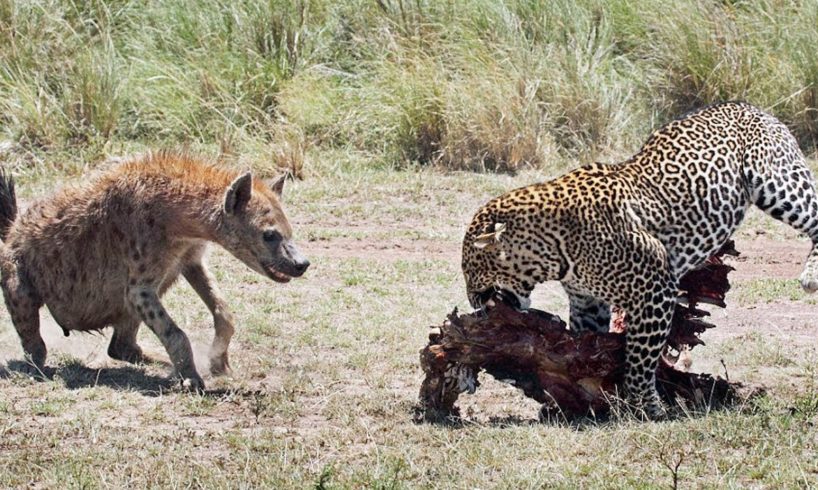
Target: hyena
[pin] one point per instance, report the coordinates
(103, 253)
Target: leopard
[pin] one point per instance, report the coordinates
(623, 234)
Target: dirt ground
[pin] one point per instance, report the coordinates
(761, 258)
(776, 321)
(326, 374)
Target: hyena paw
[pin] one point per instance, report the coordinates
(220, 366)
(194, 384)
(34, 370)
(132, 354)
(35, 353)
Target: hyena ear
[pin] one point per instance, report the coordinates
(277, 185)
(238, 194)
(488, 240)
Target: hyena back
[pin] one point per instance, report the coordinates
(102, 254)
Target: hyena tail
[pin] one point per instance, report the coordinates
(8, 203)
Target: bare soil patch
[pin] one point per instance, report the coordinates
(767, 258)
(382, 250)
(326, 378)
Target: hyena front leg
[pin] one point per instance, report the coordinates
(145, 302)
(123, 344)
(199, 278)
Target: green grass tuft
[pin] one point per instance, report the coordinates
(479, 85)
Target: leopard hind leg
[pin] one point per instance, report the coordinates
(788, 195)
(587, 313)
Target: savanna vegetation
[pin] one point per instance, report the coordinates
(400, 117)
(321, 85)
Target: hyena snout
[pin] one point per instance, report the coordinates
(301, 267)
(296, 264)
(287, 262)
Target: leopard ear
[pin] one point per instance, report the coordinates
(488, 240)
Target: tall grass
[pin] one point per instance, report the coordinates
(477, 84)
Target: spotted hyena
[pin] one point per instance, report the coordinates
(103, 253)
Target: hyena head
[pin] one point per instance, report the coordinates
(254, 228)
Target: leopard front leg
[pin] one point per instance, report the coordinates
(636, 276)
(648, 323)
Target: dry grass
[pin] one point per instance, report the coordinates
(481, 84)
(326, 377)
(342, 93)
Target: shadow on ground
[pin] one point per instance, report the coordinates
(75, 375)
(740, 402)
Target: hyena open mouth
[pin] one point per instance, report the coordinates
(277, 275)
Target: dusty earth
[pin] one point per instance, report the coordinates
(326, 372)
(773, 321)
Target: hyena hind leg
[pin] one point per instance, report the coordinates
(24, 309)
(123, 344)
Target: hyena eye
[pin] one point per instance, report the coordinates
(271, 236)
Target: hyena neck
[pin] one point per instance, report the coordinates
(188, 210)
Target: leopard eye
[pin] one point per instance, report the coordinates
(271, 236)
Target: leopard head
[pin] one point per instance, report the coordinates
(505, 255)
